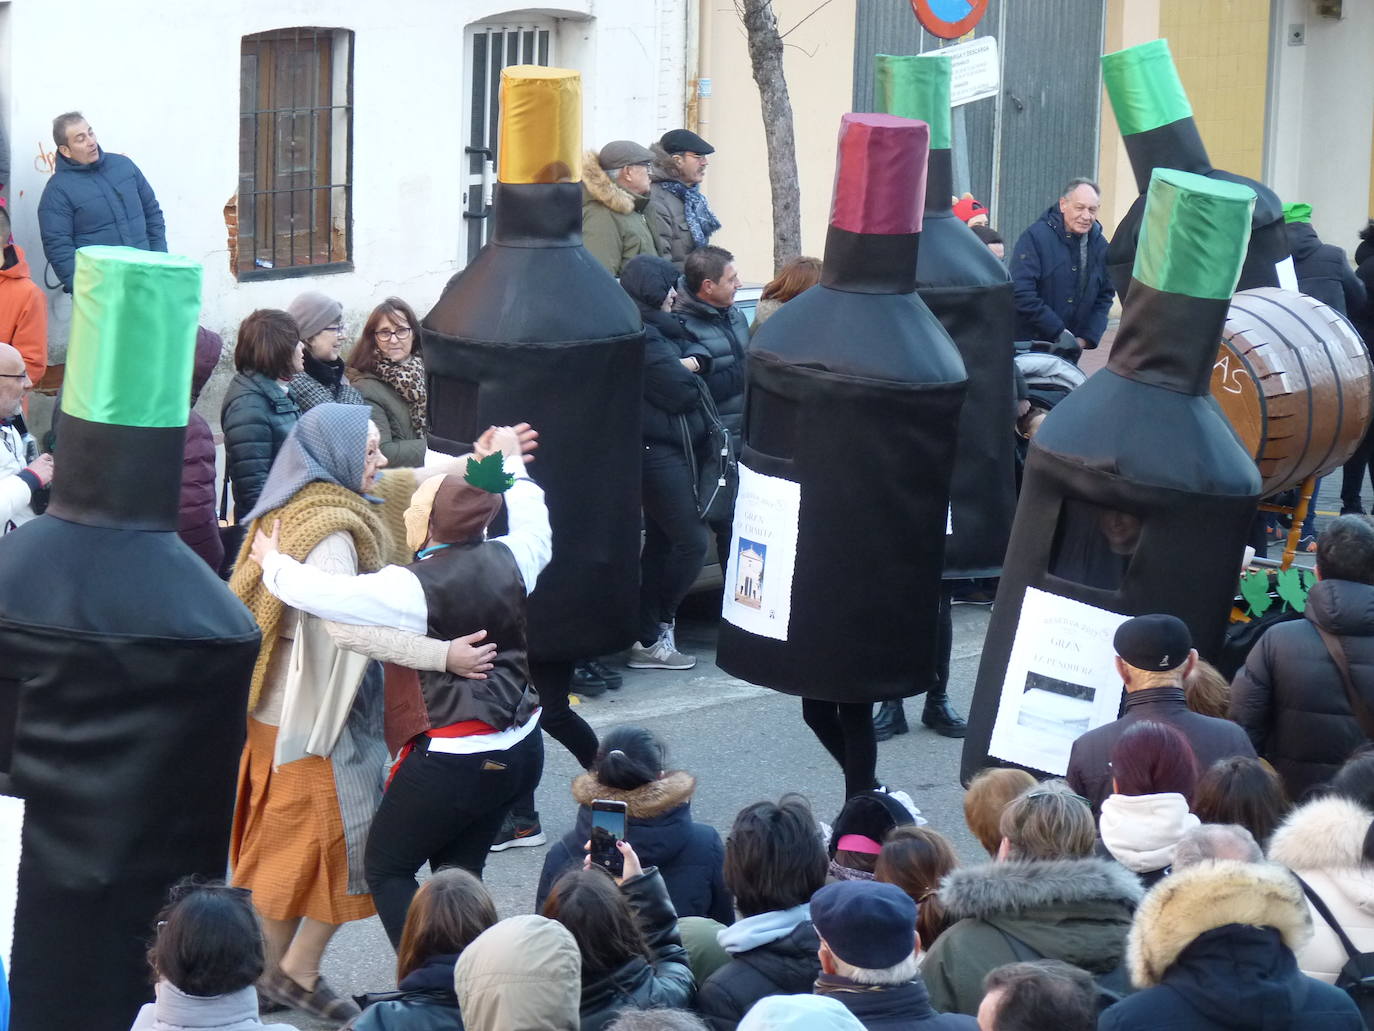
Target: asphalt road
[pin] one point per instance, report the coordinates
(743, 743)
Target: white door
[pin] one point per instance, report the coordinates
(492, 47)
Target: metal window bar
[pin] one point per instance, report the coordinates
(295, 210)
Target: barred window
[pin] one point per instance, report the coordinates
(295, 154)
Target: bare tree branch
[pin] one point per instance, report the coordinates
(766, 58)
(799, 24)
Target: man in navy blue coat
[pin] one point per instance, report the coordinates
(1059, 273)
(94, 198)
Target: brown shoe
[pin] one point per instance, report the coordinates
(323, 1002)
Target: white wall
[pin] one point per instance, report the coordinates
(1322, 116)
(171, 102)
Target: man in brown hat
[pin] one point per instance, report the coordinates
(615, 193)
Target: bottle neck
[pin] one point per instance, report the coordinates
(1175, 145)
(122, 477)
(939, 182)
(1168, 340)
(870, 263)
(537, 214)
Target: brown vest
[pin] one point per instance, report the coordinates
(471, 587)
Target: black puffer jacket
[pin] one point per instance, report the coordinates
(425, 1002)
(688, 855)
(724, 332)
(787, 966)
(256, 416)
(639, 984)
(1323, 272)
(892, 1007)
(1289, 696)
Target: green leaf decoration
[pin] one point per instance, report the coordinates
(489, 474)
(1254, 588)
(1292, 589)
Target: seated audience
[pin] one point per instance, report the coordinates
(1037, 996)
(799, 1013)
(1209, 842)
(1206, 691)
(862, 826)
(1145, 816)
(1329, 843)
(774, 863)
(870, 957)
(657, 1020)
(1212, 947)
(1046, 897)
(1243, 791)
(206, 955)
(916, 859)
(1290, 696)
(448, 912)
(626, 931)
(521, 974)
(631, 767)
(1155, 655)
(986, 796)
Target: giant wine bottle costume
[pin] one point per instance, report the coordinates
(1137, 493)
(126, 659)
(849, 429)
(969, 291)
(535, 330)
(1157, 126)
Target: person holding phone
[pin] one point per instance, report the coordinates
(625, 927)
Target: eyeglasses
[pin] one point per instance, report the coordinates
(394, 334)
(337, 330)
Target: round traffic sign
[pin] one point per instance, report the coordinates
(949, 19)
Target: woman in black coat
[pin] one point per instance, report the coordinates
(629, 768)
(257, 412)
(675, 429)
(632, 954)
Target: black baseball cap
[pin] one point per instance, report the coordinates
(677, 141)
(1154, 642)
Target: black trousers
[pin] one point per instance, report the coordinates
(846, 731)
(442, 809)
(552, 680)
(675, 538)
(1352, 475)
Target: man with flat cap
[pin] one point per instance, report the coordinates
(1154, 655)
(615, 192)
(870, 957)
(679, 217)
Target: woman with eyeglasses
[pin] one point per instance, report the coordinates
(319, 320)
(387, 369)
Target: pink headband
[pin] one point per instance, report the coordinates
(858, 843)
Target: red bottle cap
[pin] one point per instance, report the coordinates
(880, 174)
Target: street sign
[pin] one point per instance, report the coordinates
(948, 19)
(975, 72)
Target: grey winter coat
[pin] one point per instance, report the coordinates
(1077, 910)
(665, 214)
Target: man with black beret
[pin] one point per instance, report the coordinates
(1154, 655)
(869, 957)
(678, 215)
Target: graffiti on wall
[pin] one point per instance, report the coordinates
(46, 161)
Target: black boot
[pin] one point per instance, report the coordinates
(940, 716)
(585, 682)
(890, 721)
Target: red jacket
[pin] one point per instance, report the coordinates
(23, 313)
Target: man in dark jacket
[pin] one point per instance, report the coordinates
(869, 957)
(1212, 949)
(94, 198)
(1038, 994)
(1290, 696)
(705, 306)
(1059, 273)
(1154, 655)
(1352, 476)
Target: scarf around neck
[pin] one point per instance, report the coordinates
(407, 378)
(701, 221)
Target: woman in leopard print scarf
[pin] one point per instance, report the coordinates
(387, 367)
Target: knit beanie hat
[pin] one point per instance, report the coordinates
(313, 311)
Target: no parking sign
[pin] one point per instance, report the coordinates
(948, 19)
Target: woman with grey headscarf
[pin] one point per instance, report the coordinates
(319, 321)
(311, 775)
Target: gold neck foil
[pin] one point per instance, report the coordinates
(541, 125)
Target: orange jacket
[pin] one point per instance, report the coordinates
(24, 314)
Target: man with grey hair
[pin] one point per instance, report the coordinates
(1059, 274)
(1213, 841)
(870, 957)
(615, 192)
(24, 473)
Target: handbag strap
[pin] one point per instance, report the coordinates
(1362, 714)
(1326, 914)
(224, 499)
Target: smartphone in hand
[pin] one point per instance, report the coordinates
(608, 827)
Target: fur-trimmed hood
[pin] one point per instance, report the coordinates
(1190, 902)
(599, 186)
(673, 789)
(1325, 834)
(995, 889)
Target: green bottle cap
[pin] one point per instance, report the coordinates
(133, 337)
(915, 87)
(1144, 87)
(1194, 234)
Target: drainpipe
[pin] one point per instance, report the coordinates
(690, 69)
(706, 16)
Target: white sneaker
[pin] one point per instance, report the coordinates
(659, 655)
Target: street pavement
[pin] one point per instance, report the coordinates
(742, 743)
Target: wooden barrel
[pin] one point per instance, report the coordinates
(1294, 379)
